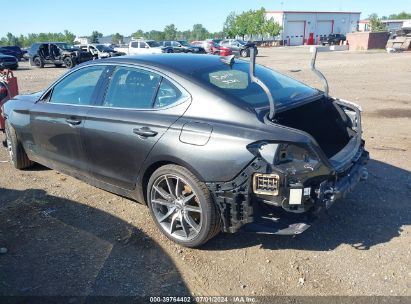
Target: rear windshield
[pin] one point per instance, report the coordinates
(235, 81)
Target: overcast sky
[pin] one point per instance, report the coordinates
(126, 16)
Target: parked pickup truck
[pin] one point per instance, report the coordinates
(332, 39)
(99, 51)
(144, 47)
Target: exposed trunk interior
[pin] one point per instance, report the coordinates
(324, 120)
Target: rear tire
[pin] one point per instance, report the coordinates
(18, 156)
(182, 206)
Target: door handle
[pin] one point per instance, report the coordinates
(145, 132)
(73, 122)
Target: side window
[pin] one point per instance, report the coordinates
(134, 44)
(167, 43)
(167, 94)
(142, 45)
(131, 88)
(78, 87)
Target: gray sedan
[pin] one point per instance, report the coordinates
(210, 144)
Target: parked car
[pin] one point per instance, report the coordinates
(144, 47)
(238, 47)
(14, 50)
(9, 52)
(197, 138)
(182, 46)
(223, 51)
(8, 62)
(333, 39)
(99, 51)
(211, 46)
(57, 53)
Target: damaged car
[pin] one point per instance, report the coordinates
(56, 53)
(99, 51)
(208, 143)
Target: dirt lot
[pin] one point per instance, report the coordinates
(67, 238)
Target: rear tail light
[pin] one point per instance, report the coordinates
(266, 184)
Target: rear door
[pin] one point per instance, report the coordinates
(137, 108)
(58, 119)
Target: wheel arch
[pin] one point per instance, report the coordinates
(153, 166)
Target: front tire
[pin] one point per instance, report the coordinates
(182, 206)
(244, 53)
(17, 154)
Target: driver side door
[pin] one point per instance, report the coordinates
(57, 119)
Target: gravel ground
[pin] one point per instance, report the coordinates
(64, 237)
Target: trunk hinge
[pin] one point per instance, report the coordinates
(318, 73)
(253, 78)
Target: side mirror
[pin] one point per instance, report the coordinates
(147, 47)
(179, 45)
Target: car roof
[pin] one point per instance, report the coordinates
(183, 64)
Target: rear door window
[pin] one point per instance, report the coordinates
(131, 88)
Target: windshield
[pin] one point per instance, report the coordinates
(153, 43)
(235, 81)
(183, 42)
(103, 48)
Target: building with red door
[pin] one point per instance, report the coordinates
(300, 27)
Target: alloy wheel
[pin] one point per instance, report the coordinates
(9, 144)
(176, 207)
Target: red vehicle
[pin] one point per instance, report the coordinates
(224, 51)
(8, 89)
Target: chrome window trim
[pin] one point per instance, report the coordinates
(185, 95)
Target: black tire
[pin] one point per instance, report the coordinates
(244, 53)
(18, 156)
(69, 62)
(58, 65)
(208, 226)
(38, 62)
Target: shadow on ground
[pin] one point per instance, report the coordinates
(373, 214)
(60, 247)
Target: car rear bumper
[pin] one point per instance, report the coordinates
(272, 221)
(241, 209)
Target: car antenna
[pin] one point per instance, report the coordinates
(317, 72)
(228, 60)
(261, 84)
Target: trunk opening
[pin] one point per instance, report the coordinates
(322, 119)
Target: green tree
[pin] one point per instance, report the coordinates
(402, 15)
(138, 34)
(170, 32)
(260, 21)
(199, 32)
(95, 35)
(272, 28)
(117, 38)
(154, 35)
(242, 24)
(375, 23)
(69, 37)
(230, 26)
